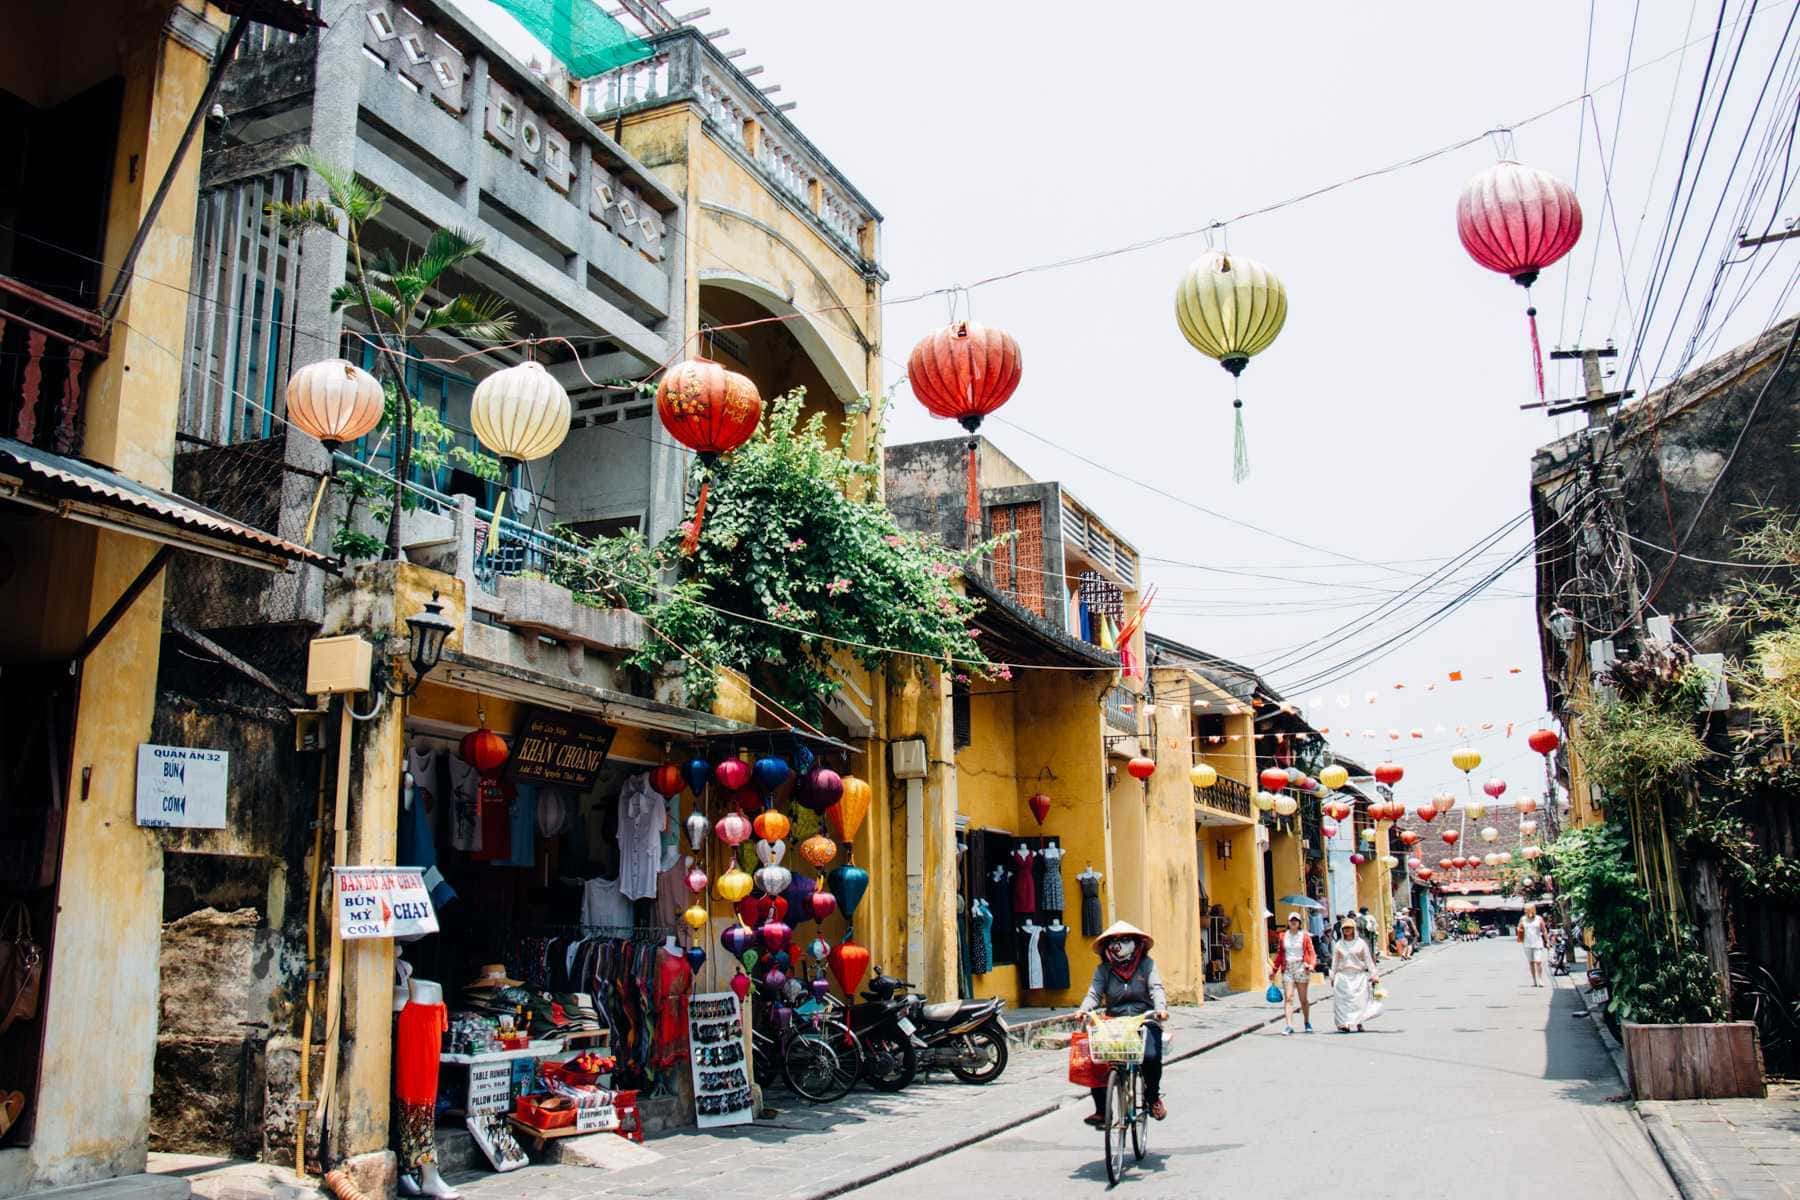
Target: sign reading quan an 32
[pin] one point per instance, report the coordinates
(561, 749)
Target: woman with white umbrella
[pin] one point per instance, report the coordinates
(1353, 976)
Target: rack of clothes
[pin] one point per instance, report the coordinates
(1013, 902)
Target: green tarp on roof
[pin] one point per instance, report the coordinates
(579, 33)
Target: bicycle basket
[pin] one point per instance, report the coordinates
(1118, 1041)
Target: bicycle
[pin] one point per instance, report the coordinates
(1121, 1043)
(818, 1056)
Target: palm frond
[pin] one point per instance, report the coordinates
(347, 295)
(301, 215)
(446, 249)
(348, 194)
(483, 317)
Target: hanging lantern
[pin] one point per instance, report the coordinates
(712, 412)
(848, 883)
(1427, 812)
(1450, 836)
(1368, 835)
(1444, 864)
(732, 829)
(1337, 810)
(1308, 784)
(819, 788)
(1445, 801)
(1039, 804)
(797, 898)
(695, 917)
(818, 950)
(962, 373)
(1528, 804)
(696, 958)
(1357, 859)
(1389, 773)
(769, 773)
(667, 780)
(737, 938)
(822, 903)
(697, 772)
(1141, 768)
(746, 801)
(484, 750)
(1505, 857)
(519, 414)
(1334, 776)
(1409, 837)
(772, 825)
(1426, 874)
(696, 880)
(1544, 741)
(1517, 220)
(1465, 759)
(1495, 788)
(1203, 775)
(774, 935)
(732, 774)
(1285, 805)
(1328, 828)
(1273, 779)
(334, 401)
(1477, 810)
(1262, 801)
(734, 884)
(818, 850)
(769, 853)
(846, 816)
(1491, 859)
(774, 879)
(1527, 828)
(849, 962)
(1490, 834)
(1388, 861)
(1531, 852)
(696, 829)
(1231, 308)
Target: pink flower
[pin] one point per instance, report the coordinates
(837, 587)
(894, 539)
(941, 570)
(797, 544)
(1003, 672)
(947, 606)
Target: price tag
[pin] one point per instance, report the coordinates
(597, 1118)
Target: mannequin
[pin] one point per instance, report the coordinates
(417, 1040)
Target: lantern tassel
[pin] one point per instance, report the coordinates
(691, 542)
(1240, 455)
(972, 509)
(312, 518)
(1537, 353)
(493, 538)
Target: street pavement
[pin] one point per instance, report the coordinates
(1472, 1084)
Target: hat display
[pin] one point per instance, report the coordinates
(492, 975)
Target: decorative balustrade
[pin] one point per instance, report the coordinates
(1225, 795)
(47, 346)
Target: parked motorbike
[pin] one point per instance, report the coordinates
(965, 1037)
(880, 1022)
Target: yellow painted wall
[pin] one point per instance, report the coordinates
(1236, 885)
(1287, 858)
(1153, 843)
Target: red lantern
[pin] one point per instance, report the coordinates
(732, 774)
(1408, 837)
(1544, 741)
(848, 963)
(1517, 221)
(1273, 779)
(1495, 788)
(667, 780)
(1444, 864)
(1450, 836)
(1425, 874)
(1039, 805)
(485, 750)
(1357, 859)
(1389, 773)
(1142, 768)
(962, 373)
(711, 411)
(1427, 812)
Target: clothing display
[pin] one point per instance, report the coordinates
(418, 1036)
(620, 979)
(415, 840)
(522, 827)
(1053, 948)
(981, 932)
(1024, 892)
(604, 906)
(673, 898)
(643, 815)
(1029, 933)
(1089, 881)
(465, 805)
(999, 898)
(674, 982)
(493, 796)
(1050, 883)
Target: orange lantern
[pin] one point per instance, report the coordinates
(846, 816)
(484, 750)
(667, 780)
(818, 850)
(711, 411)
(771, 825)
(962, 373)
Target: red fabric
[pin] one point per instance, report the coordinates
(1024, 884)
(1537, 352)
(674, 980)
(418, 1038)
(496, 825)
(1128, 968)
(1517, 220)
(1310, 957)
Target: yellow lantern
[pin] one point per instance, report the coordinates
(1368, 834)
(1388, 861)
(1477, 810)
(1203, 775)
(1285, 805)
(335, 401)
(695, 917)
(1230, 307)
(1465, 759)
(734, 884)
(1491, 859)
(1263, 801)
(1334, 777)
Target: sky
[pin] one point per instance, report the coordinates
(1384, 427)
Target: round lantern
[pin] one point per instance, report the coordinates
(962, 373)
(734, 884)
(769, 773)
(1527, 828)
(774, 879)
(775, 935)
(1337, 810)
(1334, 776)
(1273, 779)
(1415, 862)
(732, 774)
(737, 938)
(1444, 864)
(1465, 759)
(819, 788)
(1426, 874)
(667, 780)
(822, 903)
(711, 411)
(818, 949)
(1444, 801)
(695, 917)
(732, 829)
(772, 825)
(1389, 773)
(1388, 861)
(1203, 775)
(1495, 788)
(1544, 741)
(1368, 835)
(1285, 805)
(1308, 784)
(1231, 308)
(1427, 812)
(1039, 804)
(1477, 810)
(335, 401)
(1490, 834)
(1531, 852)
(696, 829)
(1528, 804)
(1409, 837)
(846, 816)
(696, 880)
(484, 750)
(1505, 857)
(1328, 828)
(818, 850)
(1491, 859)
(1449, 836)
(696, 773)
(520, 413)
(1357, 859)
(1262, 801)
(1517, 220)
(1141, 768)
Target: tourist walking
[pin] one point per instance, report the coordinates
(1295, 961)
(1353, 977)
(1533, 934)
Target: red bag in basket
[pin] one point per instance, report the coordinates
(1083, 1070)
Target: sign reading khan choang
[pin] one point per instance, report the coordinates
(561, 749)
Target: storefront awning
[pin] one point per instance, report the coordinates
(86, 492)
(561, 693)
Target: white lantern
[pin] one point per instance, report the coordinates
(1368, 835)
(1285, 805)
(697, 825)
(1527, 828)
(1505, 857)
(1264, 801)
(1415, 862)
(334, 400)
(1490, 834)
(520, 413)
(774, 880)
(1389, 861)
(1531, 852)
(1491, 859)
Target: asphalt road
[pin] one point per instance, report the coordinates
(1472, 1084)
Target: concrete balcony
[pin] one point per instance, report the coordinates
(1226, 802)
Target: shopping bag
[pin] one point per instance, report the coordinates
(21, 968)
(1273, 995)
(1083, 1070)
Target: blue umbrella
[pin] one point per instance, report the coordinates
(1300, 902)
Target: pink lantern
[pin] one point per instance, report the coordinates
(732, 829)
(1357, 860)
(1495, 788)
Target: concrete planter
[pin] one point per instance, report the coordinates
(537, 604)
(607, 628)
(1694, 1062)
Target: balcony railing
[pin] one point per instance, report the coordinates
(47, 346)
(1225, 795)
(1121, 710)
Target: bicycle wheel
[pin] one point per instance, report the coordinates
(1118, 1100)
(849, 1050)
(1140, 1125)
(812, 1070)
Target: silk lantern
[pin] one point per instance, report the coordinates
(818, 850)
(1389, 861)
(823, 904)
(737, 938)
(1465, 759)
(1357, 859)
(769, 773)
(1409, 837)
(849, 962)
(1273, 779)
(335, 401)
(695, 917)
(819, 950)
(774, 982)
(696, 880)
(1544, 741)
(774, 879)
(1368, 835)
(696, 829)
(1389, 773)
(734, 884)
(1446, 863)
(667, 780)
(848, 883)
(712, 412)
(846, 816)
(771, 826)
(747, 802)
(774, 935)
(732, 774)
(1426, 874)
(1262, 801)
(1490, 834)
(1445, 801)
(696, 958)
(1427, 812)
(697, 771)
(1285, 805)
(740, 986)
(1528, 804)
(1477, 810)
(770, 853)
(797, 898)
(484, 750)
(1328, 828)
(1334, 776)
(1531, 852)
(819, 788)
(1517, 220)
(732, 829)
(962, 373)
(1203, 775)
(1490, 859)
(1527, 828)
(519, 414)
(1450, 836)
(1141, 768)
(1505, 857)
(1230, 309)
(1495, 788)
(1039, 804)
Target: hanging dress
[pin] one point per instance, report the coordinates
(1024, 897)
(1054, 950)
(999, 898)
(1050, 887)
(1029, 933)
(1090, 902)
(418, 1035)
(674, 980)
(643, 815)
(981, 934)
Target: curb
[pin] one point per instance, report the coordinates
(1687, 1172)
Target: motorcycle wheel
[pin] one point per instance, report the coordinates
(988, 1059)
(889, 1061)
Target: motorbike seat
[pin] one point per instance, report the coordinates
(945, 1011)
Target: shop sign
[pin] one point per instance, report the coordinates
(383, 902)
(490, 1087)
(561, 749)
(179, 787)
(596, 1118)
(1101, 595)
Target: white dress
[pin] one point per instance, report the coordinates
(1351, 1000)
(643, 815)
(1533, 939)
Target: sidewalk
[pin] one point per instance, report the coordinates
(816, 1153)
(1720, 1149)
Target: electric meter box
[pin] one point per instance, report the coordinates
(909, 758)
(338, 664)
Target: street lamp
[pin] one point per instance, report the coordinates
(1562, 625)
(426, 632)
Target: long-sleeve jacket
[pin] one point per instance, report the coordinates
(1141, 993)
(1309, 956)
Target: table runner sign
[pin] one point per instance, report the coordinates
(561, 749)
(383, 902)
(490, 1087)
(721, 1088)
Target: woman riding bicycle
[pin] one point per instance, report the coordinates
(1126, 984)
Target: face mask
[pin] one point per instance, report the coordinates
(1119, 951)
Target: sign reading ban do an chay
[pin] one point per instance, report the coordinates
(561, 749)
